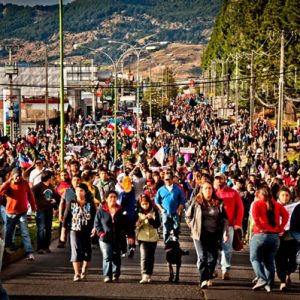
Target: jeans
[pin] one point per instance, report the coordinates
(226, 252)
(12, 220)
(111, 260)
(147, 250)
(3, 214)
(263, 249)
(170, 223)
(44, 229)
(207, 249)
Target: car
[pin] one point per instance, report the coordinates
(224, 121)
(91, 127)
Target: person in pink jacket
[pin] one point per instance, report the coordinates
(235, 210)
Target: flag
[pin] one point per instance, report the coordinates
(25, 162)
(128, 130)
(167, 126)
(160, 155)
(111, 126)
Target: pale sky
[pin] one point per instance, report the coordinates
(34, 2)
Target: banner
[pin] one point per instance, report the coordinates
(187, 150)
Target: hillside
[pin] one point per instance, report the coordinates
(94, 22)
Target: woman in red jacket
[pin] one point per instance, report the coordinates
(269, 219)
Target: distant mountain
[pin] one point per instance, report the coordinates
(176, 20)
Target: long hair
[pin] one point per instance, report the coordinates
(215, 201)
(267, 196)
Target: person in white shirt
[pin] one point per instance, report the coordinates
(36, 173)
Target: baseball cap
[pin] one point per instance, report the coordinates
(219, 174)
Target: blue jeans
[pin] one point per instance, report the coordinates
(226, 252)
(12, 220)
(263, 249)
(44, 229)
(207, 249)
(3, 214)
(111, 260)
(170, 223)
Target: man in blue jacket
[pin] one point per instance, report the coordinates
(170, 201)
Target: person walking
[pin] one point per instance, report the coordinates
(18, 194)
(45, 198)
(112, 226)
(148, 221)
(286, 256)
(208, 222)
(269, 218)
(234, 209)
(80, 213)
(170, 201)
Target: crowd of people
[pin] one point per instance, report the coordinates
(220, 178)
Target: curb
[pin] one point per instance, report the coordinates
(10, 257)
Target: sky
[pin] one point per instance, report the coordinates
(34, 2)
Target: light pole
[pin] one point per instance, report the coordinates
(138, 51)
(115, 68)
(62, 100)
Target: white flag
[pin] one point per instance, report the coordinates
(159, 155)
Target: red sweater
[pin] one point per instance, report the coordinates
(233, 205)
(261, 222)
(17, 196)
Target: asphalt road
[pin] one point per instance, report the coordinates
(51, 277)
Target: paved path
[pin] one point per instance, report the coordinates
(50, 277)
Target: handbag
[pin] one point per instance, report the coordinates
(237, 243)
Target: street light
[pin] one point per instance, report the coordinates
(115, 67)
(138, 51)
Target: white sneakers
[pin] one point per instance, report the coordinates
(145, 279)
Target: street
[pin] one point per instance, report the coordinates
(51, 277)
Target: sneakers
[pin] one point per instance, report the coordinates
(209, 283)
(226, 276)
(106, 280)
(255, 280)
(131, 252)
(259, 284)
(40, 251)
(283, 287)
(30, 257)
(204, 284)
(145, 279)
(76, 277)
(268, 288)
(115, 278)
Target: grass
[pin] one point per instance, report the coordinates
(32, 231)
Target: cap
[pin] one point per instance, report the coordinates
(219, 174)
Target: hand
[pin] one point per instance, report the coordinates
(225, 237)
(93, 233)
(63, 235)
(131, 241)
(235, 227)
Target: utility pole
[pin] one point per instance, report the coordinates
(251, 94)
(61, 75)
(280, 102)
(236, 88)
(46, 92)
(11, 69)
(222, 85)
(214, 73)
